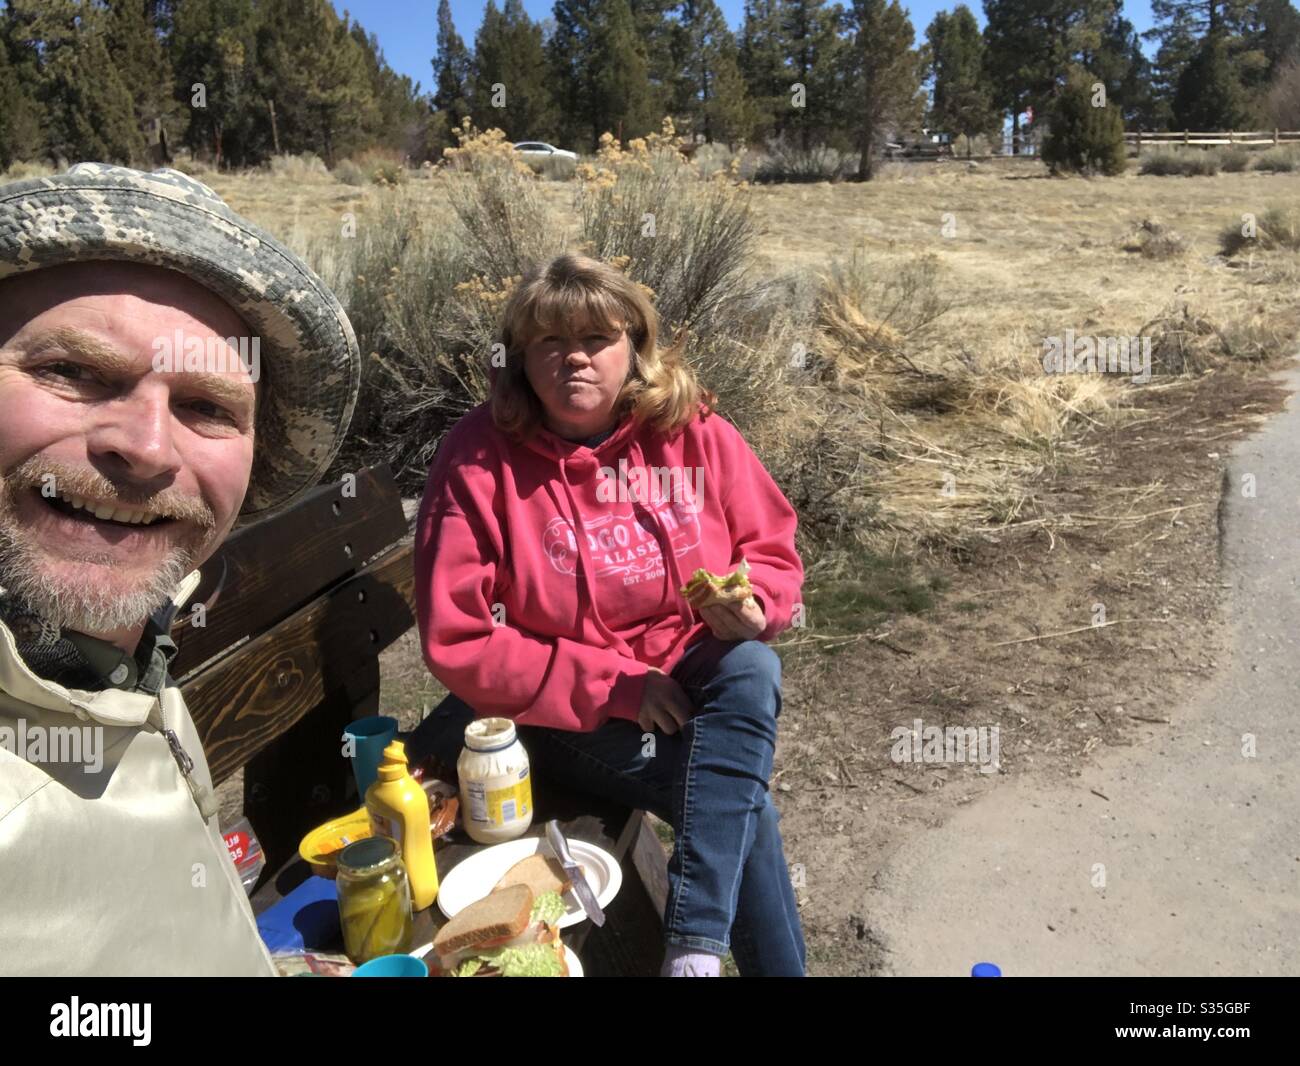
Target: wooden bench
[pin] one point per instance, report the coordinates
(282, 653)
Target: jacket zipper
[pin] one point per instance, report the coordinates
(202, 797)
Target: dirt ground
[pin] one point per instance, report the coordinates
(1058, 700)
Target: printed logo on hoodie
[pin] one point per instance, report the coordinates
(620, 545)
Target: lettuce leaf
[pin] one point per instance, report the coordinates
(548, 907)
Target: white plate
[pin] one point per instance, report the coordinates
(472, 879)
(570, 959)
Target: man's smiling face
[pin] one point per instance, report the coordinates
(116, 479)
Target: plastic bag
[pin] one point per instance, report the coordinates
(245, 852)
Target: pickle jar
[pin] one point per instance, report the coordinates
(374, 900)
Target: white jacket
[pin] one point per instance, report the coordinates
(119, 871)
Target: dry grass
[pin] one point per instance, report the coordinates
(1152, 240)
(297, 167)
(1278, 228)
(20, 171)
(888, 362)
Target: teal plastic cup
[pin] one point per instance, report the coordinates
(369, 737)
(392, 966)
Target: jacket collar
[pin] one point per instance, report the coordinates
(107, 706)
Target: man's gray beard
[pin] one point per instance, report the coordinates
(83, 608)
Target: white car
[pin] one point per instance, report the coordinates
(536, 153)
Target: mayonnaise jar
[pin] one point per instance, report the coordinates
(496, 792)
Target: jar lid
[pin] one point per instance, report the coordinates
(489, 734)
(365, 855)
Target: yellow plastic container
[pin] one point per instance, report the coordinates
(399, 809)
(322, 845)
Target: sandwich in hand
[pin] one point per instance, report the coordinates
(705, 588)
(508, 933)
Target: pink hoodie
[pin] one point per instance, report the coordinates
(540, 585)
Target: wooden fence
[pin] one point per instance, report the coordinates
(1247, 138)
(1029, 144)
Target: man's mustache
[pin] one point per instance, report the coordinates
(49, 477)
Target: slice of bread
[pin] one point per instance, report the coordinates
(541, 873)
(498, 914)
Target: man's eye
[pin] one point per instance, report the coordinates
(69, 371)
(208, 409)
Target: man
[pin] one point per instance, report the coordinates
(166, 371)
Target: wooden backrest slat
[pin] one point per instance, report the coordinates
(265, 572)
(247, 699)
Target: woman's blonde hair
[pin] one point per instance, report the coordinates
(660, 390)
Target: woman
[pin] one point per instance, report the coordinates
(559, 522)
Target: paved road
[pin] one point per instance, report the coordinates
(1201, 845)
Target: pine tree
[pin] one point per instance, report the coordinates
(1267, 33)
(137, 47)
(452, 70)
(1085, 135)
(961, 97)
(568, 46)
(489, 84)
(1273, 26)
(1031, 44)
(1182, 28)
(714, 97)
(399, 113)
(1178, 42)
(1023, 54)
(1210, 95)
(658, 36)
(314, 71)
(88, 111)
(98, 114)
(510, 87)
(731, 115)
(9, 105)
(762, 59)
(600, 73)
(815, 57)
(1121, 66)
(214, 55)
(532, 103)
(883, 84)
(621, 103)
(20, 133)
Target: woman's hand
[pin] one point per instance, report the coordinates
(664, 705)
(735, 621)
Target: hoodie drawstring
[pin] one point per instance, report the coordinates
(666, 546)
(661, 535)
(586, 568)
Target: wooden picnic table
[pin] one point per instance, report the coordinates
(279, 651)
(621, 950)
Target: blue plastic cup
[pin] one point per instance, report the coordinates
(392, 966)
(369, 737)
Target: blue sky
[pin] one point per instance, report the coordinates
(408, 29)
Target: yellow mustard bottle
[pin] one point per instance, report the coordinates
(399, 809)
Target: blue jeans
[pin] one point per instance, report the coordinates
(728, 885)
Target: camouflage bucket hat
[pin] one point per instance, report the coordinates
(311, 366)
